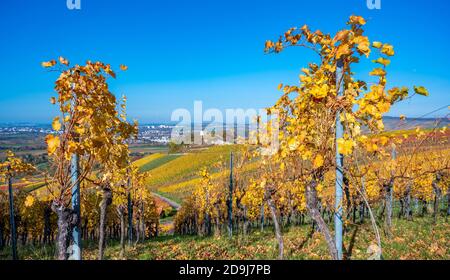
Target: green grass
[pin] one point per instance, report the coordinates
(148, 148)
(419, 239)
(35, 186)
(172, 196)
(157, 162)
(146, 159)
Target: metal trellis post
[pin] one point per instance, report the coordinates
(339, 166)
(230, 199)
(76, 233)
(11, 218)
(75, 170)
(130, 215)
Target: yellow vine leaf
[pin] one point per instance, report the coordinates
(388, 50)
(345, 147)
(52, 143)
(64, 61)
(320, 91)
(56, 125)
(383, 140)
(342, 50)
(79, 130)
(29, 201)
(48, 64)
(382, 61)
(292, 143)
(357, 20)
(377, 45)
(318, 161)
(363, 44)
(378, 72)
(421, 90)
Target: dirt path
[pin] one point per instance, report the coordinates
(169, 224)
(169, 201)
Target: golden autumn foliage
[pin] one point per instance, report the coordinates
(90, 124)
(14, 166)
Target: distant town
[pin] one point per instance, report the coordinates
(148, 133)
(31, 137)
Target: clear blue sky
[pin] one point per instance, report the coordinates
(210, 50)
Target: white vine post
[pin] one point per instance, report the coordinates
(339, 165)
(75, 170)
